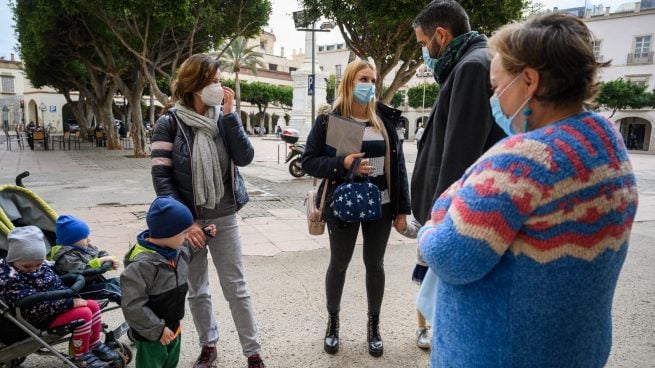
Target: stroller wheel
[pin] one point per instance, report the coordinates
(13, 363)
(126, 354)
(130, 335)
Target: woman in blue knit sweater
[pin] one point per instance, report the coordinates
(529, 243)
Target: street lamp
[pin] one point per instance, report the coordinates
(303, 22)
(42, 107)
(424, 72)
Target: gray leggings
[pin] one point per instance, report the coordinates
(342, 246)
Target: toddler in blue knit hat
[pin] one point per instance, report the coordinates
(74, 253)
(155, 283)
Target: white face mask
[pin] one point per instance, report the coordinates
(212, 94)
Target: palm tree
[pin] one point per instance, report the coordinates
(239, 56)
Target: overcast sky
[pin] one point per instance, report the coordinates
(281, 23)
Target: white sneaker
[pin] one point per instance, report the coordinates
(423, 340)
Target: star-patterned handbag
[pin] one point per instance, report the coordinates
(356, 201)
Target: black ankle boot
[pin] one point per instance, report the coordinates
(331, 343)
(375, 346)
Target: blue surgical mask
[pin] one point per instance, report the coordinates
(425, 52)
(504, 121)
(427, 60)
(364, 92)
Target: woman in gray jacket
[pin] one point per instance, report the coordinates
(195, 151)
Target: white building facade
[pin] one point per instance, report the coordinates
(626, 37)
(21, 103)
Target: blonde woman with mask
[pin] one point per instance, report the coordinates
(384, 164)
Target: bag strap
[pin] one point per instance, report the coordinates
(353, 168)
(320, 205)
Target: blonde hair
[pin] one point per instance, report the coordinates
(344, 102)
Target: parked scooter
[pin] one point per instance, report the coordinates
(294, 157)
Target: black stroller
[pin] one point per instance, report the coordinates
(22, 207)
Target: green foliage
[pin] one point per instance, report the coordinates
(382, 29)
(331, 88)
(621, 94)
(45, 34)
(415, 95)
(398, 97)
(263, 94)
(285, 96)
(239, 56)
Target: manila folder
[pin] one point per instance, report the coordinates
(344, 135)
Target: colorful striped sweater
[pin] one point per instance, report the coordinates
(528, 246)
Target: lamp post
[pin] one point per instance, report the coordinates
(302, 22)
(423, 73)
(42, 107)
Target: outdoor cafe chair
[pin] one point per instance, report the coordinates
(39, 136)
(9, 139)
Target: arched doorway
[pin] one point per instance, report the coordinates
(404, 123)
(33, 112)
(244, 120)
(67, 113)
(636, 133)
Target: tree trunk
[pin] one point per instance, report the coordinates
(237, 93)
(136, 128)
(262, 115)
(77, 107)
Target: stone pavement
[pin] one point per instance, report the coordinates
(285, 266)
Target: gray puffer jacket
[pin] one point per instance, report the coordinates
(154, 290)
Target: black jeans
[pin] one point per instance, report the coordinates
(342, 246)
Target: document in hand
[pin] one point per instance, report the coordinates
(344, 135)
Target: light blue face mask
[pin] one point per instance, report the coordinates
(427, 59)
(364, 92)
(504, 121)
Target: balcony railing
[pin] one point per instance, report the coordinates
(640, 58)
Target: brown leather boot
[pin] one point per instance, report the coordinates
(255, 361)
(207, 357)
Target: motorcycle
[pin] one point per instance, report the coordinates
(294, 158)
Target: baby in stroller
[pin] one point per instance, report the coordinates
(74, 253)
(23, 272)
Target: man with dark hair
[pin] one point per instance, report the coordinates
(460, 127)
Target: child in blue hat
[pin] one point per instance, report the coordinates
(74, 253)
(155, 283)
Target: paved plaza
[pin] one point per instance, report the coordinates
(285, 266)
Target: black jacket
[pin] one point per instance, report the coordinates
(171, 170)
(459, 130)
(319, 161)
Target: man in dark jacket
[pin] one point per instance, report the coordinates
(460, 127)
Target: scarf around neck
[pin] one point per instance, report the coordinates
(454, 51)
(205, 165)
